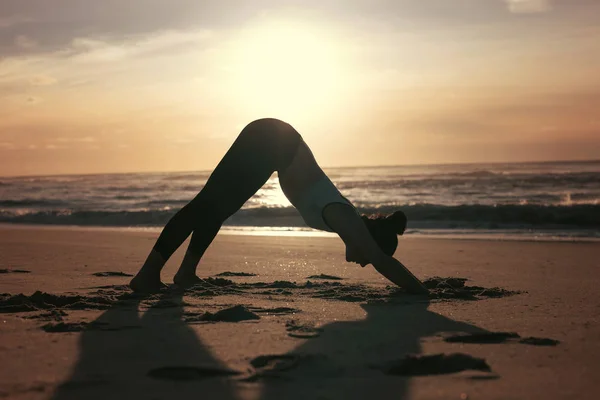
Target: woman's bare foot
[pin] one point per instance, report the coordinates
(186, 280)
(147, 280)
(186, 275)
(142, 283)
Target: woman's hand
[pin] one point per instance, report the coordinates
(393, 270)
(353, 231)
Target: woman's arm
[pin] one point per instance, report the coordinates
(400, 275)
(353, 231)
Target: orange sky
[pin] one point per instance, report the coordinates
(149, 85)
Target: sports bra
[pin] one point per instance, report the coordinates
(312, 203)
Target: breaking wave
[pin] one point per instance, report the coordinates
(420, 216)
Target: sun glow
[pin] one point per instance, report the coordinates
(287, 71)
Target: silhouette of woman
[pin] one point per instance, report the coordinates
(263, 147)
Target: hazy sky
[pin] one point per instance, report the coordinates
(147, 85)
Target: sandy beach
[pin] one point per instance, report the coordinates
(273, 322)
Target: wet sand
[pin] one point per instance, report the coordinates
(288, 318)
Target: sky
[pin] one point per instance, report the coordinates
(91, 86)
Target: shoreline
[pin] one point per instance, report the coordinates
(500, 235)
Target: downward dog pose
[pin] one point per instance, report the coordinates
(263, 147)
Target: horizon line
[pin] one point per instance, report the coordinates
(572, 161)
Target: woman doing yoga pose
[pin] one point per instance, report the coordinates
(263, 147)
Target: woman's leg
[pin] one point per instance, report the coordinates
(263, 147)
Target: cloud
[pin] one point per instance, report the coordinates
(85, 49)
(51, 146)
(91, 50)
(25, 42)
(75, 142)
(528, 6)
(59, 21)
(91, 59)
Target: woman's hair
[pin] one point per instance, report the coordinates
(385, 228)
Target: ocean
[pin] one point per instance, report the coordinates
(550, 200)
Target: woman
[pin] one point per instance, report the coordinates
(263, 147)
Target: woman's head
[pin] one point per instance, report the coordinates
(385, 228)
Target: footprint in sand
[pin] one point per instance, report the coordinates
(110, 273)
(65, 327)
(271, 366)
(84, 326)
(323, 276)
(436, 364)
(233, 314)
(14, 271)
(40, 300)
(302, 331)
(499, 337)
(276, 365)
(52, 315)
(229, 273)
(275, 362)
(275, 310)
(539, 341)
(486, 337)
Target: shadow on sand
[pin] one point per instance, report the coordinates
(116, 359)
(125, 357)
(342, 363)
